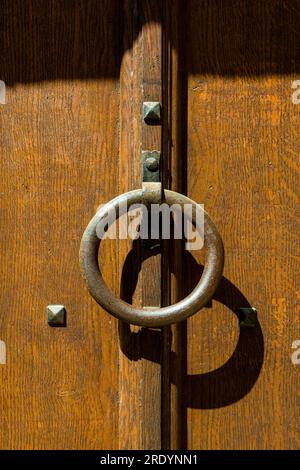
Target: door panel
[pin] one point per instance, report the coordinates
(66, 148)
(242, 163)
(57, 142)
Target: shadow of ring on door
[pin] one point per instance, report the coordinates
(217, 388)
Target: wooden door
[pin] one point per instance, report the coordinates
(69, 142)
(76, 75)
(239, 151)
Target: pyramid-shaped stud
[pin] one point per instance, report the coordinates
(152, 112)
(56, 315)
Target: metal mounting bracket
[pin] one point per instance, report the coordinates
(151, 166)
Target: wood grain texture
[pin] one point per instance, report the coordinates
(140, 372)
(242, 391)
(151, 139)
(70, 141)
(151, 135)
(130, 383)
(59, 388)
(174, 417)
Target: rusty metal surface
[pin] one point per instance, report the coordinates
(151, 194)
(198, 298)
(152, 112)
(56, 315)
(151, 166)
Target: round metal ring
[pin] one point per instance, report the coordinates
(198, 298)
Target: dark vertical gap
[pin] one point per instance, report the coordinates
(182, 183)
(165, 278)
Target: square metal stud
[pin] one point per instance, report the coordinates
(247, 316)
(152, 112)
(56, 315)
